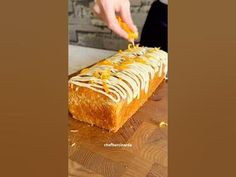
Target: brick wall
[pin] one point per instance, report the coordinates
(86, 30)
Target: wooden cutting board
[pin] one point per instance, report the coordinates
(146, 157)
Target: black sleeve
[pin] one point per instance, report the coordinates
(154, 33)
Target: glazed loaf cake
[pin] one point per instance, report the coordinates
(108, 93)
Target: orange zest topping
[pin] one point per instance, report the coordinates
(105, 62)
(120, 67)
(91, 81)
(140, 60)
(132, 35)
(130, 46)
(105, 87)
(137, 46)
(104, 75)
(148, 55)
(96, 74)
(84, 71)
(124, 26)
(126, 57)
(126, 62)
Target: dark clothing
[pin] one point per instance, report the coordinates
(154, 33)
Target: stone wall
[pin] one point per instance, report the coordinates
(87, 30)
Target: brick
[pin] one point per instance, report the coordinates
(114, 44)
(139, 18)
(97, 22)
(135, 2)
(90, 40)
(83, 2)
(83, 11)
(147, 2)
(70, 7)
(91, 28)
(101, 41)
(145, 8)
(85, 25)
(134, 9)
(72, 34)
(91, 4)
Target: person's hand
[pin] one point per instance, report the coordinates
(107, 10)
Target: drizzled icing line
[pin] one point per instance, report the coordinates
(125, 74)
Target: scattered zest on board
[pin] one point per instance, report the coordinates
(163, 124)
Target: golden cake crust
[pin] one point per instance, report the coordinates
(95, 108)
(108, 93)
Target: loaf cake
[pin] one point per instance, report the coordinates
(108, 93)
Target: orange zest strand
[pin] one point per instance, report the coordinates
(131, 35)
(84, 71)
(105, 87)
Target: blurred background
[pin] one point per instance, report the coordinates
(87, 30)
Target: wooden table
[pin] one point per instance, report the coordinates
(146, 157)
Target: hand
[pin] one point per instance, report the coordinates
(107, 10)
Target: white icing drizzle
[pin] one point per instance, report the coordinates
(127, 83)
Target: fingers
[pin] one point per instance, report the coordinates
(113, 24)
(127, 18)
(106, 11)
(97, 10)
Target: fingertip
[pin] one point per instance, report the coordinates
(118, 30)
(131, 40)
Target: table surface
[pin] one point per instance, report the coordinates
(81, 57)
(148, 155)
